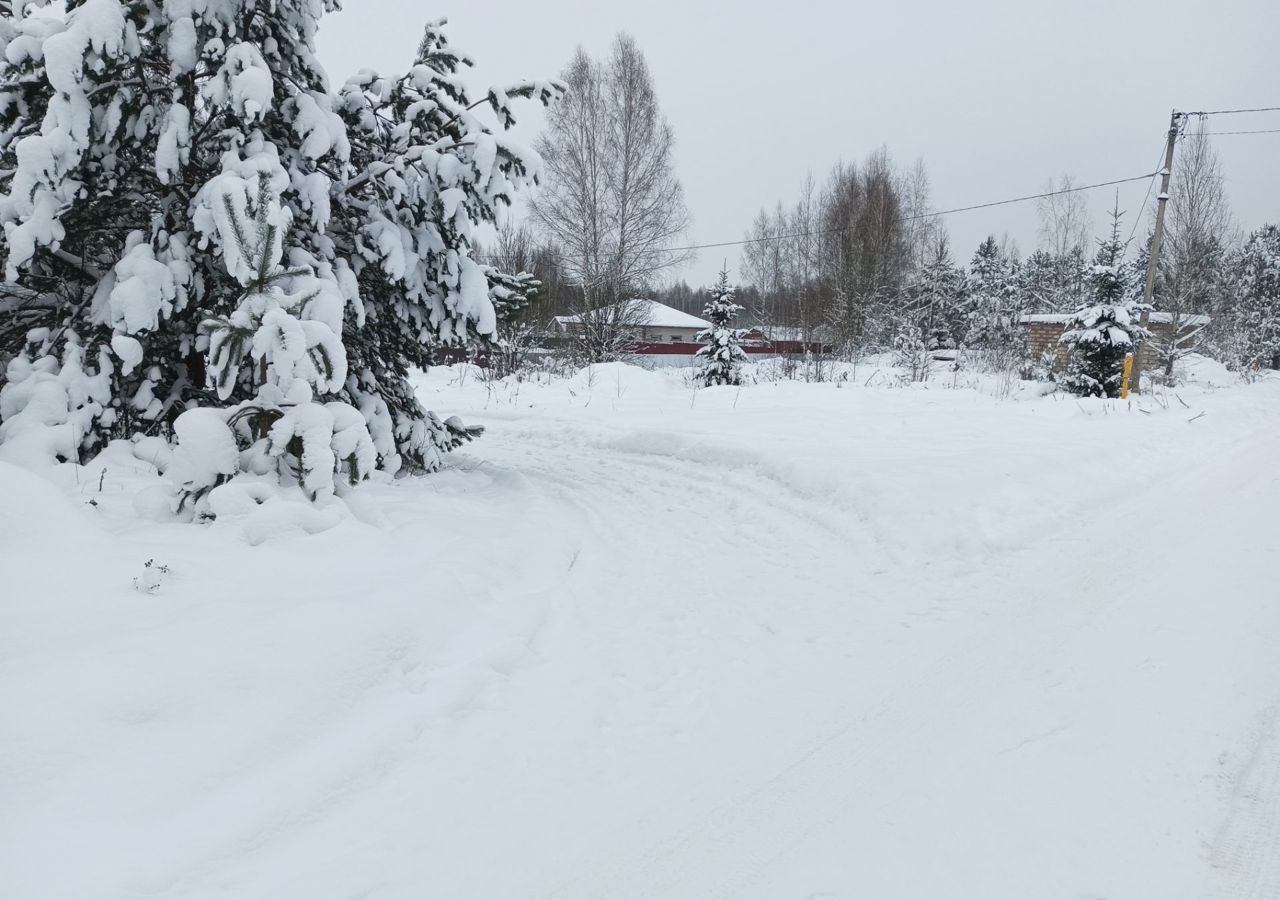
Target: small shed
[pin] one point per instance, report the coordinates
(1045, 330)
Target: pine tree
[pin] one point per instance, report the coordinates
(721, 357)
(194, 219)
(1101, 332)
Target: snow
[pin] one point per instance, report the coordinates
(244, 82)
(319, 128)
(99, 25)
(129, 350)
(182, 45)
(473, 297)
(173, 147)
(48, 405)
(144, 291)
(834, 640)
(206, 450)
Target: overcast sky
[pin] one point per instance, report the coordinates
(994, 96)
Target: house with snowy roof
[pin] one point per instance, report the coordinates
(649, 321)
(662, 335)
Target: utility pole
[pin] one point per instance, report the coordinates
(1153, 257)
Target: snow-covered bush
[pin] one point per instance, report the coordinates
(911, 354)
(721, 357)
(1045, 368)
(194, 219)
(206, 455)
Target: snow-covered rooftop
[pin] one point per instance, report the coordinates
(653, 314)
(1157, 318)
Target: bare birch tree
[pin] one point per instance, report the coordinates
(571, 208)
(610, 199)
(1199, 229)
(1199, 225)
(867, 253)
(1066, 235)
(647, 208)
(1066, 224)
(917, 208)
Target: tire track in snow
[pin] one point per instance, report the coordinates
(1246, 849)
(620, 481)
(411, 688)
(728, 849)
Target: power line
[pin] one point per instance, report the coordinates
(976, 206)
(1145, 200)
(1232, 112)
(1141, 210)
(931, 215)
(1262, 131)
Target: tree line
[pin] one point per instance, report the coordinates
(862, 262)
(859, 260)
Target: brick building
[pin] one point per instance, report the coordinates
(1043, 332)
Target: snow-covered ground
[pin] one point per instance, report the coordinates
(788, 642)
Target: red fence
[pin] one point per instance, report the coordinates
(771, 348)
(446, 356)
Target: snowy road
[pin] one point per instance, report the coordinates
(895, 797)
(1026, 753)
(797, 642)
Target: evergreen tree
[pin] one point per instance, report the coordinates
(194, 219)
(1052, 283)
(1036, 286)
(930, 315)
(1257, 300)
(934, 303)
(991, 306)
(721, 357)
(1071, 285)
(1102, 331)
(425, 171)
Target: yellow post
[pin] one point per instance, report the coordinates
(1128, 370)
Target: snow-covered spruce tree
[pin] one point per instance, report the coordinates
(425, 171)
(1256, 307)
(193, 219)
(720, 358)
(991, 307)
(930, 316)
(1036, 281)
(1101, 332)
